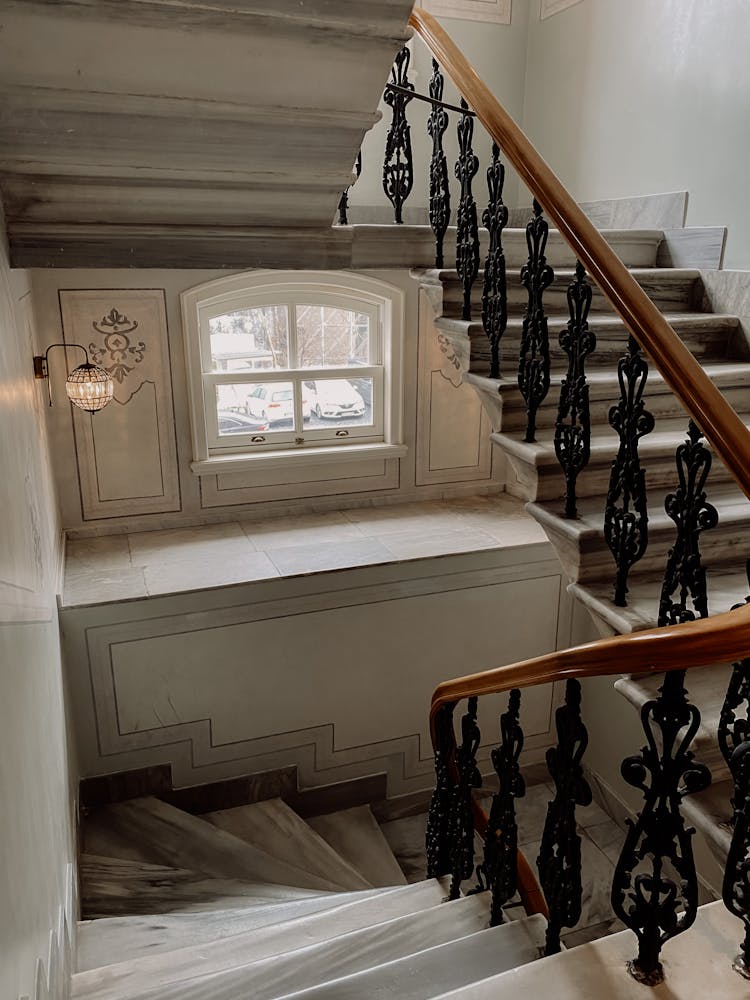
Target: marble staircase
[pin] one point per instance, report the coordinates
(534, 475)
(212, 929)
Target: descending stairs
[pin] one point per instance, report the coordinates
(225, 925)
(533, 472)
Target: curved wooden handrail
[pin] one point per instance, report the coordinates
(725, 430)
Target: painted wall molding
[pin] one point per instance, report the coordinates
(549, 8)
(491, 11)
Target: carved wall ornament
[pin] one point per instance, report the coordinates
(451, 369)
(117, 348)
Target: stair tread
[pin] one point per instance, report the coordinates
(275, 828)
(591, 971)
(127, 938)
(118, 886)
(448, 966)
(171, 969)
(606, 321)
(709, 812)
(150, 830)
(355, 834)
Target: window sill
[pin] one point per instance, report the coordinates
(329, 455)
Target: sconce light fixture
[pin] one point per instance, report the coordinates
(88, 386)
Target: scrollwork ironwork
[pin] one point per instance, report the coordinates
(573, 424)
(437, 836)
(467, 229)
(461, 827)
(534, 359)
(655, 887)
(398, 167)
(736, 885)
(344, 199)
(559, 860)
(495, 289)
(440, 197)
(692, 514)
(499, 868)
(734, 717)
(626, 510)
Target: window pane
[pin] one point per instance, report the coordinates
(340, 402)
(250, 339)
(260, 406)
(332, 338)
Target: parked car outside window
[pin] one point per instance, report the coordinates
(238, 423)
(274, 403)
(335, 398)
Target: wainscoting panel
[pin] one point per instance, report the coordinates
(126, 454)
(330, 674)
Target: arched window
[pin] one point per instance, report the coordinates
(293, 364)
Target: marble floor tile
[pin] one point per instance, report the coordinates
(215, 541)
(111, 552)
(608, 837)
(295, 560)
(406, 839)
(86, 586)
(304, 529)
(414, 545)
(175, 576)
(404, 517)
(531, 812)
(582, 935)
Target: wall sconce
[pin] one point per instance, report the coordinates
(88, 386)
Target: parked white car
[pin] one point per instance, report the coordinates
(274, 403)
(335, 398)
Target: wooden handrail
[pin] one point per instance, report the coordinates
(725, 430)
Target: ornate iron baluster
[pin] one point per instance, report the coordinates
(655, 876)
(573, 424)
(495, 290)
(733, 731)
(462, 813)
(626, 511)
(398, 169)
(437, 837)
(499, 869)
(559, 860)
(344, 199)
(736, 887)
(692, 515)
(467, 229)
(440, 196)
(534, 361)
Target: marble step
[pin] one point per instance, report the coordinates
(356, 836)
(534, 472)
(123, 939)
(435, 970)
(278, 830)
(507, 408)
(671, 289)
(150, 830)
(710, 812)
(585, 557)
(172, 970)
(725, 589)
(697, 963)
(706, 335)
(120, 886)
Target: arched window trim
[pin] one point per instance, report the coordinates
(378, 298)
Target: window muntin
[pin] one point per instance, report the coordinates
(297, 339)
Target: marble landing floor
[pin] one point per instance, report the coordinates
(121, 567)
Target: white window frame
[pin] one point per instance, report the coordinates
(384, 303)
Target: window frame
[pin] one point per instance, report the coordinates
(384, 305)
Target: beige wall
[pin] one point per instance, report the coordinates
(630, 98)
(36, 843)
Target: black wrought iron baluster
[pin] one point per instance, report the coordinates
(344, 199)
(499, 869)
(440, 196)
(685, 576)
(495, 289)
(573, 424)
(534, 360)
(734, 727)
(461, 827)
(736, 886)
(437, 837)
(467, 229)
(655, 887)
(398, 167)
(626, 511)
(559, 860)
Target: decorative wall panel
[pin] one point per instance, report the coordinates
(550, 7)
(495, 11)
(126, 453)
(453, 434)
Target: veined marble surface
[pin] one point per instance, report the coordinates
(150, 563)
